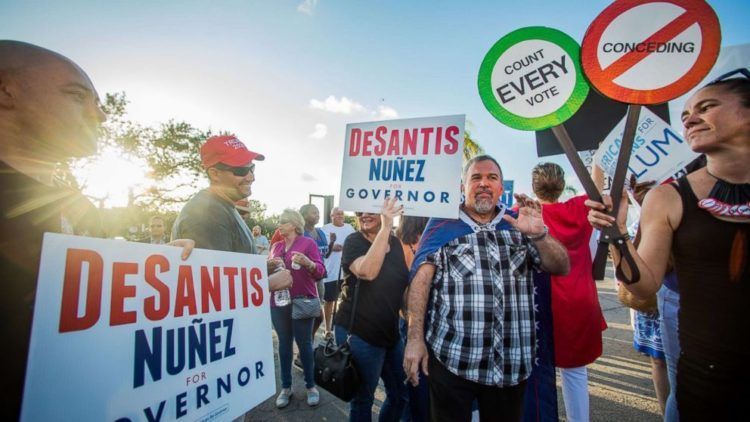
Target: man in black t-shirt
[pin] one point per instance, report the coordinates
(49, 113)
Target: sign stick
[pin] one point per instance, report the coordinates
(617, 184)
(575, 160)
(628, 135)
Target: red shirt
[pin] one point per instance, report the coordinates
(576, 315)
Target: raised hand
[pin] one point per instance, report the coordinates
(390, 211)
(529, 221)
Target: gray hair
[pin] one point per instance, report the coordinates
(295, 218)
(477, 159)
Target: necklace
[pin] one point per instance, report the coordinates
(727, 199)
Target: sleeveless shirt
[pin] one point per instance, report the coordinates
(711, 261)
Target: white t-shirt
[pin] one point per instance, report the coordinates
(333, 262)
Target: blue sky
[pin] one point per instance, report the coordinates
(286, 76)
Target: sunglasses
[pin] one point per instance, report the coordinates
(741, 72)
(360, 214)
(237, 171)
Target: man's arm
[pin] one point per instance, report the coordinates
(554, 257)
(415, 354)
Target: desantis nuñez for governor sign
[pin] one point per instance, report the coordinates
(417, 161)
(130, 332)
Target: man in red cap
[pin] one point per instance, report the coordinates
(210, 217)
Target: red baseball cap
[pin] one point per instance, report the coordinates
(227, 149)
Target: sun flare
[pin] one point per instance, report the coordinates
(111, 178)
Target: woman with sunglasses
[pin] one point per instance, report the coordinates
(300, 255)
(375, 274)
(703, 221)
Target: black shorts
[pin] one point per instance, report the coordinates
(332, 290)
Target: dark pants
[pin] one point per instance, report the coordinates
(451, 398)
(373, 364)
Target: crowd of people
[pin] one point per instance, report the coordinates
(443, 312)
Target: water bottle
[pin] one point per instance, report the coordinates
(281, 297)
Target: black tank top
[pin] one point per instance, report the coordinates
(711, 261)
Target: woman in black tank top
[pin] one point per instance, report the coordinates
(704, 222)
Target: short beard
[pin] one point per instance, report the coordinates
(483, 206)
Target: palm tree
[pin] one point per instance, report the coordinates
(471, 147)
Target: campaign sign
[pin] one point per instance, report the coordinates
(417, 161)
(531, 79)
(130, 332)
(507, 196)
(658, 151)
(650, 51)
(588, 160)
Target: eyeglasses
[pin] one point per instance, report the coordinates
(360, 214)
(237, 171)
(157, 225)
(732, 74)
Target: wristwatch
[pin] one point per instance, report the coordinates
(540, 236)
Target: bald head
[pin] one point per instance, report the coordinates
(17, 55)
(49, 109)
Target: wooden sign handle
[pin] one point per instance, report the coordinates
(626, 146)
(575, 160)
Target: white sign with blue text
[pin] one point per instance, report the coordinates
(130, 332)
(659, 152)
(417, 161)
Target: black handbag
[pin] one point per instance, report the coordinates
(335, 371)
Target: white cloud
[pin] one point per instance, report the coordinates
(307, 177)
(307, 7)
(320, 131)
(343, 106)
(385, 112)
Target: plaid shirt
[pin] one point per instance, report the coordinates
(481, 323)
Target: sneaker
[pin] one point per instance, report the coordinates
(282, 400)
(313, 396)
(298, 363)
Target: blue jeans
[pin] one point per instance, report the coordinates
(301, 331)
(372, 364)
(669, 305)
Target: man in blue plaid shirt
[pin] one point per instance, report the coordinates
(476, 275)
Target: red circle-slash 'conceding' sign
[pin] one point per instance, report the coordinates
(649, 52)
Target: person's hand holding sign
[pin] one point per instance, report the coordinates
(187, 246)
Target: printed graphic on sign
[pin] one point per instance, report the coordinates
(658, 153)
(531, 79)
(649, 52)
(417, 161)
(130, 332)
(588, 160)
(507, 196)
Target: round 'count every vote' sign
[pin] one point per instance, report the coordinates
(531, 79)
